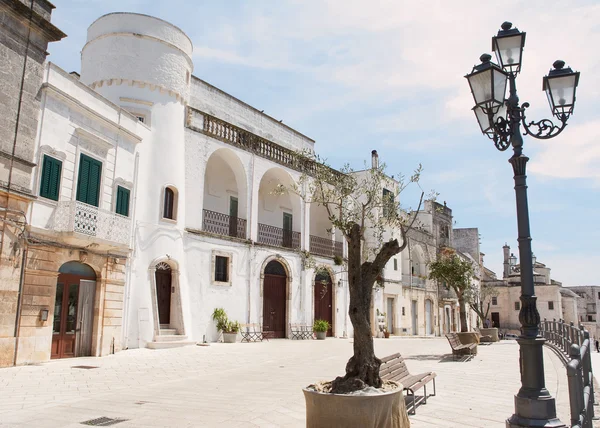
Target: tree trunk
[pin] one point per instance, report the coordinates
(363, 367)
(463, 313)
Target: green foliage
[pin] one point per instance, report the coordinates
(223, 324)
(232, 327)
(321, 325)
(338, 260)
(454, 272)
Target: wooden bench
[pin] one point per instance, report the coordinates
(252, 333)
(459, 348)
(394, 368)
(301, 331)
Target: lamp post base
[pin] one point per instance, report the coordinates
(538, 412)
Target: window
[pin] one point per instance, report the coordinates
(88, 182)
(287, 230)
(517, 306)
(395, 264)
(388, 203)
(50, 182)
(494, 300)
(169, 206)
(403, 311)
(221, 269)
(551, 306)
(590, 319)
(599, 294)
(122, 203)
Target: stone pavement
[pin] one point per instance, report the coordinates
(256, 385)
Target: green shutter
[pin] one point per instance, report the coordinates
(50, 182)
(122, 201)
(88, 184)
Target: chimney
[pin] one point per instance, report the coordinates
(374, 159)
(506, 250)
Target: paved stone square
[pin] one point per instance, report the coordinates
(256, 385)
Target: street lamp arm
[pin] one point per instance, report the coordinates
(542, 129)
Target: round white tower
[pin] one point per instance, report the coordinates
(144, 65)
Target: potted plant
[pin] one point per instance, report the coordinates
(320, 327)
(229, 329)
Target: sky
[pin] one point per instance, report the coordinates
(382, 75)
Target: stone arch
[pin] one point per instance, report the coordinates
(418, 261)
(331, 274)
(278, 210)
(176, 312)
(224, 179)
(288, 287)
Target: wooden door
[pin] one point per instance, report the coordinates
(287, 230)
(274, 305)
(414, 314)
(233, 216)
(496, 319)
(324, 301)
(163, 295)
(428, 320)
(64, 324)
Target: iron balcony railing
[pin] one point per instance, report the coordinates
(278, 237)
(573, 344)
(325, 247)
(84, 219)
(223, 224)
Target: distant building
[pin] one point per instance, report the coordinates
(588, 304)
(553, 300)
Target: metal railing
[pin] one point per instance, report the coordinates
(573, 344)
(278, 237)
(325, 247)
(223, 224)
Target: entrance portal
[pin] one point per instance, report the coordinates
(324, 299)
(274, 299)
(73, 311)
(163, 276)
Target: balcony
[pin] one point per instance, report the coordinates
(325, 247)
(223, 224)
(277, 237)
(84, 219)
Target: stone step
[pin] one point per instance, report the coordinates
(167, 345)
(170, 338)
(167, 332)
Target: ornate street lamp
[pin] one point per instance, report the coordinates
(500, 119)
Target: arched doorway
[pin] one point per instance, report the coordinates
(274, 299)
(163, 277)
(428, 318)
(73, 320)
(324, 299)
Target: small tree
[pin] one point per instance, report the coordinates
(481, 300)
(368, 218)
(455, 274)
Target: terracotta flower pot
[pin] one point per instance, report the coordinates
(386, 410)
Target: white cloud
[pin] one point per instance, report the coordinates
(573, 154)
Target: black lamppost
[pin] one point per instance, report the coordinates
(500, 119)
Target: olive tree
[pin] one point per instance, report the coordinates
(481, 300)
(455, 273)
(374, 227)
